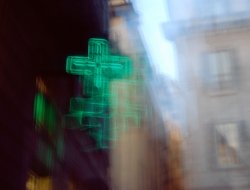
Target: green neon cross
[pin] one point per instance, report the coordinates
(99, 67)
(96, 70)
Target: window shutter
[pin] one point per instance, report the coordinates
(205, 70)
(244, 132)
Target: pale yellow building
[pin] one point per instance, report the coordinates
(137, 152)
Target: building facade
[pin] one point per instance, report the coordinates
(211, 41)
(137, 159)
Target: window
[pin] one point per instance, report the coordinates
(227, 145)
(219, 70)
(119, 2)
(213, 7)
(114, 39)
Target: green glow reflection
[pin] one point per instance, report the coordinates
(39, 109)
(46, 121)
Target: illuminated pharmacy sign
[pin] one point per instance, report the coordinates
(96, 72)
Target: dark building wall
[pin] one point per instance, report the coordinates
(35, 38)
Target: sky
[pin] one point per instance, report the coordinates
(153, 13)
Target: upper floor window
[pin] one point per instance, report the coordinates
(213, 7)
(241, 6)
(119, 2)
(219, 70)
